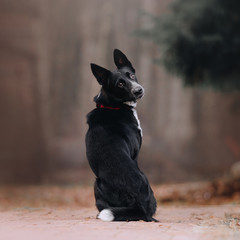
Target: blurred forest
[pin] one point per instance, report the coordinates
(200, 42)
(46, 90)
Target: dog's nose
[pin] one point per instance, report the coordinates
(138, 92)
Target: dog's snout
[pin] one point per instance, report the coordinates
(138, 92)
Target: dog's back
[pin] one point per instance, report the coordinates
(113, 142)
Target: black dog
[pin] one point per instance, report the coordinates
(113, 141)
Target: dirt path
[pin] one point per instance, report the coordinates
(176, 223)
(68, 213)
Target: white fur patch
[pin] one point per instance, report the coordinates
(99, 94)
(136, 116)
(134, 104)
(131, 103)
(106, 215)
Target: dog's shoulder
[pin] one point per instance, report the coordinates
(115, 122)
(106, 116)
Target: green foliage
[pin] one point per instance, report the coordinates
(200, 41)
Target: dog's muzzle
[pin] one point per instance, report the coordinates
(138, 92)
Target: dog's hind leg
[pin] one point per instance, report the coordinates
(101, 202)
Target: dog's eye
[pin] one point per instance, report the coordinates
(121, 84)
(131, 76)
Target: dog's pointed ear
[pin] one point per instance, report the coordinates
(121, 60)
(100, 73)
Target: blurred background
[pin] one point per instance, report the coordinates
(46, 89)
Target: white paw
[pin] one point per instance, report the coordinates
(106, 215)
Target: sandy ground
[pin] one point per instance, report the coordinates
(180, 223)
(56, 213)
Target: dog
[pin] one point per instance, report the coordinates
(113, 140)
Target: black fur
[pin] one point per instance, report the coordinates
(113, 142)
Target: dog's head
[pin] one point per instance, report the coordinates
(121, 85)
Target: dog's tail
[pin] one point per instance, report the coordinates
(124, 214)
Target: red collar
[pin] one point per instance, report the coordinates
(112, 108)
